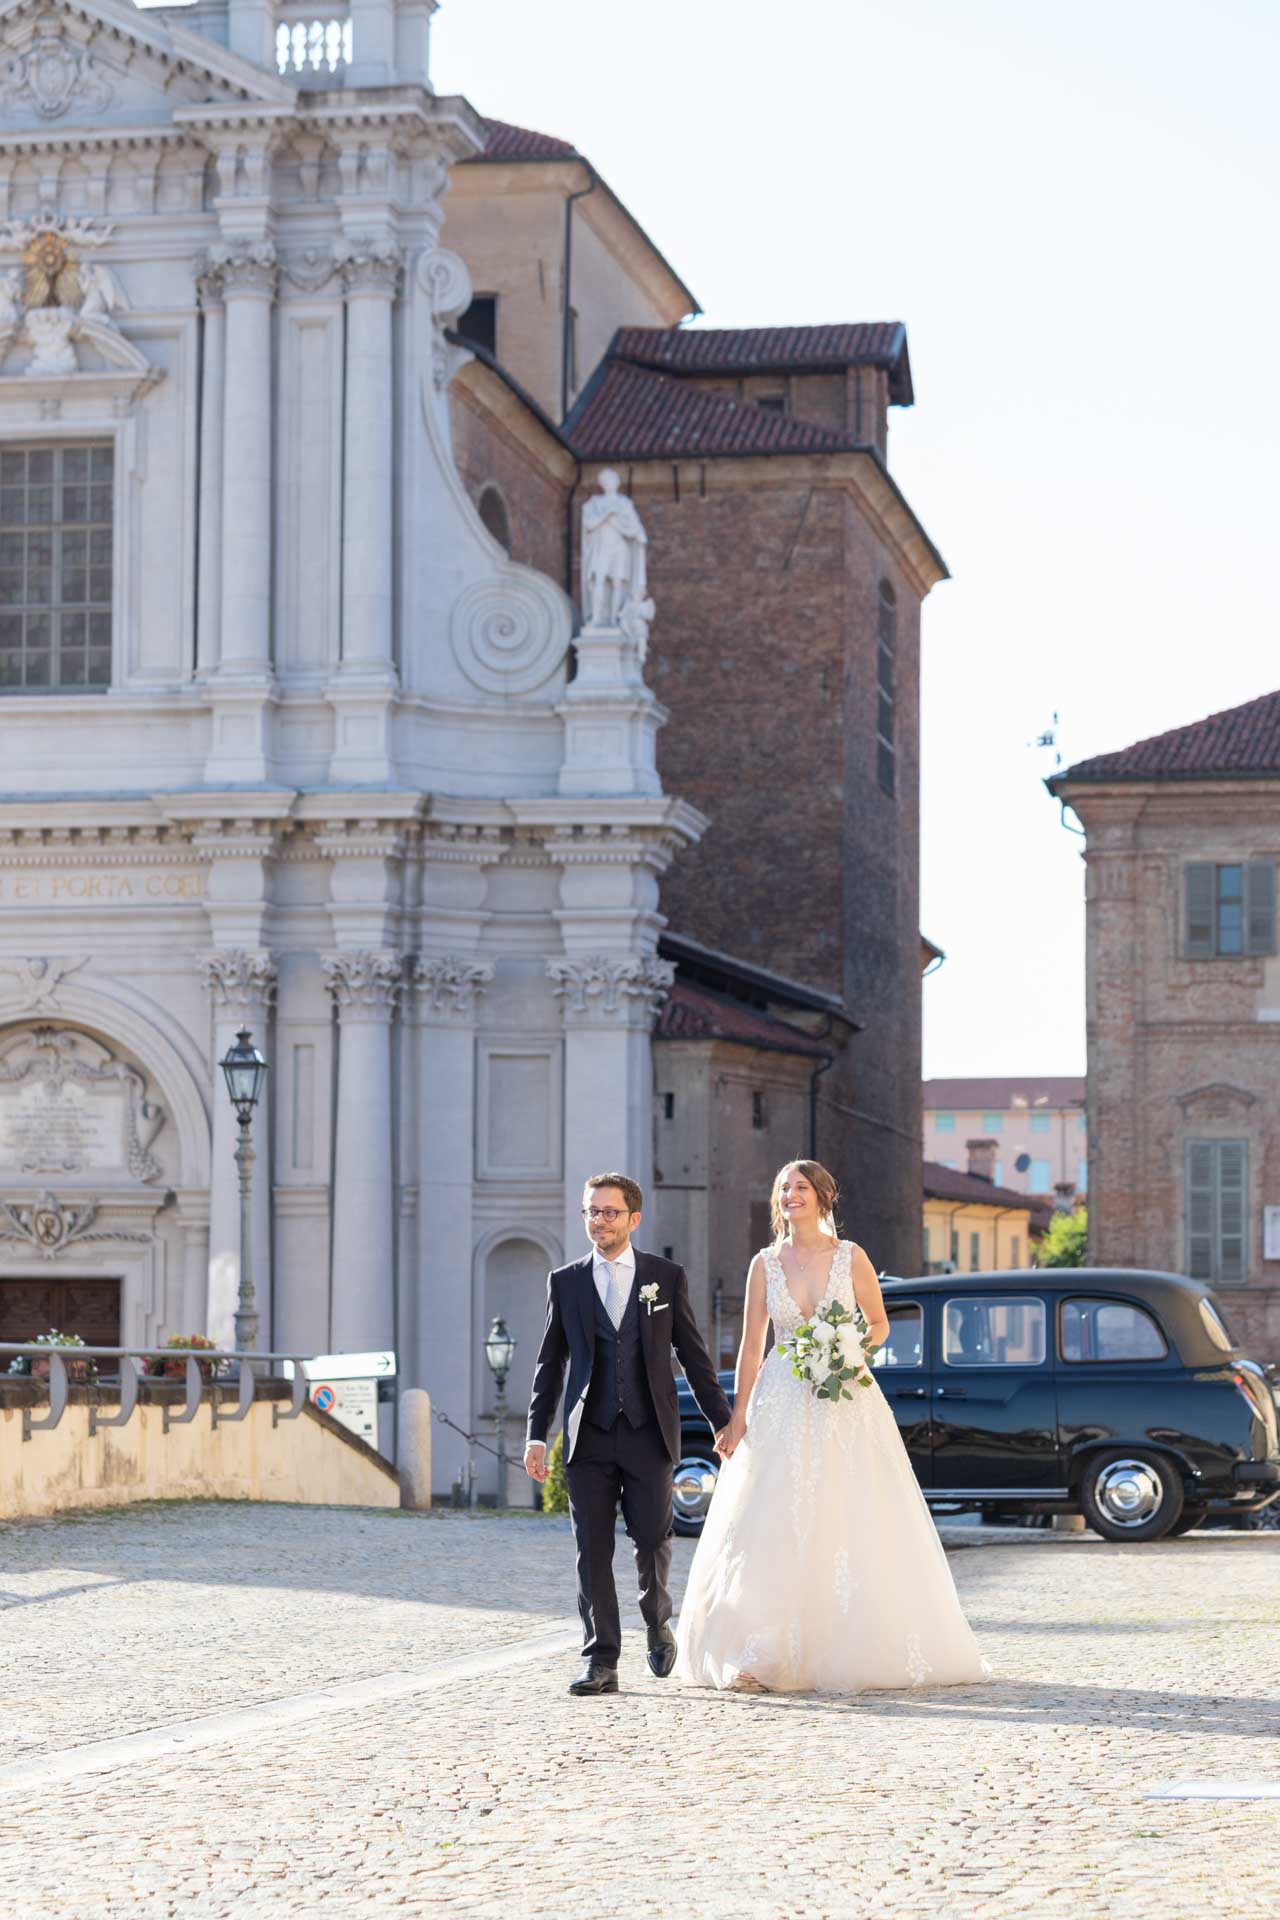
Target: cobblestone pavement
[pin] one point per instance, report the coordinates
(492, 1793)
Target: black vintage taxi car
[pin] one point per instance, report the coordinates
(1121, 1395)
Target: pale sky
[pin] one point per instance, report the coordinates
(1071, 204)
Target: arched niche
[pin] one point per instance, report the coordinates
(492, 509)
(513, 1282)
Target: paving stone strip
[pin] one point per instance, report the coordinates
(1117, 1669)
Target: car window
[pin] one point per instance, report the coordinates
(904, 1343)
(1215, 1326)
(982, 1331)
(1109, 1330)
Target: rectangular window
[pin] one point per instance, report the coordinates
(1108, 1330)
(1015, 1250)
(668, 1106)
(479, 324)
(1229, 909)
(998, 1176)
(993, 1123)
(955, 1246)
(1217, 1188)
(993, 1332)
(944, 1122)
(1040, 1178)
(886, 649)
(904, 1342)
(1082, 1176)
(1040, 1123)
(975, 1252)
(759, 1112)
(56, 514)
(772, 402)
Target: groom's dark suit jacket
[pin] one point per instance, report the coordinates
(569, 1342)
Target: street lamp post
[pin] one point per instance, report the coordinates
(245, 1070)
(499, 1349)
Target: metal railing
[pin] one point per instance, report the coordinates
(205, 1367)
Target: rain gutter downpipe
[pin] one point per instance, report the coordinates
(567, 310)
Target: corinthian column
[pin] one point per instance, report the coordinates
(242, 985)
(248, 271)
(365, 987)
(371, 273)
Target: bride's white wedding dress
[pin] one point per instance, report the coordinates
(819, 1568)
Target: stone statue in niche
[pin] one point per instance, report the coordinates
(614, 563)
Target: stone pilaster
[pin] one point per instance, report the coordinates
(212, 406)
(447, 990)
(248, 273)
(609, 1003)
(366, 987)
(366, 681)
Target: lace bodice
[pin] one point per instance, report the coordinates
(783, 1311)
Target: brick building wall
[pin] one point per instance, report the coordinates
(1179, 1050)
(498, 443)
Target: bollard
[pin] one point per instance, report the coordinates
(415, 1450)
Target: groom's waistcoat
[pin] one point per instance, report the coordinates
(619, 1387)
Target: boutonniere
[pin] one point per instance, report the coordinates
(649, 1294)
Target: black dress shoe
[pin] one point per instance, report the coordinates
(595, 1678)
(662, 1651)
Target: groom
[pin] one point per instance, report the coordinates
(613, 1318)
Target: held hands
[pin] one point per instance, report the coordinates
(731, 1436)
(535, 1461)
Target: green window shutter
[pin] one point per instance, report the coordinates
(1201, 1208)
(1260, 904)
(1200, 943)
(1232, 1212)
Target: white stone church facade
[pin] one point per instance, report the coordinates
(287, 740)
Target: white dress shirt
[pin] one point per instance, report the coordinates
(600, 1273)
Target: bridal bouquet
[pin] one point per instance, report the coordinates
(831, 1351)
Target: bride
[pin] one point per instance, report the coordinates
(819, 1567)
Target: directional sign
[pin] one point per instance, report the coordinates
(353, 1402)
(346, 1366)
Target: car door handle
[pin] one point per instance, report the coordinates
(911, 1393)
(953, 1393)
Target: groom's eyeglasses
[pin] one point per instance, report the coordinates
(609, 1214)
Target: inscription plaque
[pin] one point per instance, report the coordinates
(51, 1128)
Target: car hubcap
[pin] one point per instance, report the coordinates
(1128, 1492)
(692, 1488)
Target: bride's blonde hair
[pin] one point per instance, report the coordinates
(823, 1185)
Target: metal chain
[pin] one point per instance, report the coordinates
(472, 1439)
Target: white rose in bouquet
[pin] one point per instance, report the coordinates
(824, 1332)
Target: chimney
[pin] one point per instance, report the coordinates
(982, 1158)
(1064, 1196)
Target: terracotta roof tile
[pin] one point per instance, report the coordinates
(506, 142)
(948, 1183)
(1003, 1093)
(628, 413)
(691, 1013)
(744, 350)
(1238, 743)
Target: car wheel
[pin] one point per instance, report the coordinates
(1131, 1495)
(692, 1486)
(1189, 1517)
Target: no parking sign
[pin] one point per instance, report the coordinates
(324, 1397)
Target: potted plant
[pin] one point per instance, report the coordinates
(35, 1367)
(176, 1369)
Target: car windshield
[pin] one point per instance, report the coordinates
(1215, 1326)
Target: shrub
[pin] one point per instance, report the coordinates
(1065, 1242)
(555, 1488)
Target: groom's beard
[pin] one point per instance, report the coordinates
(609, 1241)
